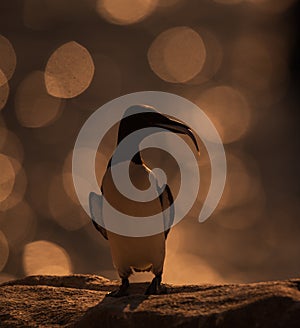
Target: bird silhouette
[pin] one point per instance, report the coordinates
(146, 253)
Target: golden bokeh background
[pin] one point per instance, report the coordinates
(238, 60)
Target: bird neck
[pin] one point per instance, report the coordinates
(136, 159)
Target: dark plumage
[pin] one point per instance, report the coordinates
(137, 253)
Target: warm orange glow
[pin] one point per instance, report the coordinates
(69, 71)
(100, 165)
(34, 107)
(13, 176)
(69, 187)
(177, 55)
(214, 57)
(12, 146)
(12, 149)
(3, 79)
(182, 267)
(41, 171)
(62, 210)
(62, 195)
(44, 257)
(243, 189)
(242, 185)
(105, 86)
(61, 60)
(57, 133)
(228, 110)
(4, 277)
(8, 59)
(18, 224)
(125, 12)
(17, 193)
(4, 89)
(7, 177)
(241, 218)
(252, 63)
(4, 250)
(259, 67)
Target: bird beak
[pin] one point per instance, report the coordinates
(177, 127)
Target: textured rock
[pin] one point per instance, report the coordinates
(79, 301)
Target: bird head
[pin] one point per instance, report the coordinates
(141, 116)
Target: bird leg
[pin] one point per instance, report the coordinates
(155, 286)
(122, 290)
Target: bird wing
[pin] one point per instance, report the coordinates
(166, 200)
(95, 204)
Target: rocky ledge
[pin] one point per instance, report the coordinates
(80, 301)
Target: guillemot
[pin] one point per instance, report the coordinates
(145, 253)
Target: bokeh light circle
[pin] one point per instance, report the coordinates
(4, 89)
(177, 55)
(8, 59)
(4, 250)
(45, 257)
(7, 177)
(69, 70)
(125, 12)
(18, 224)
(228, 109)
(34, 106)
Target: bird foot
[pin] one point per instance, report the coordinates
(117, 293)
(155, 287)
(121, 291)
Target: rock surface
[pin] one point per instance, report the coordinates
(80, 301)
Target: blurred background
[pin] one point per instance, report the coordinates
(238, 60)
